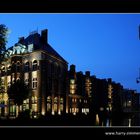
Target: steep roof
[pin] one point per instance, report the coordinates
(39, 43)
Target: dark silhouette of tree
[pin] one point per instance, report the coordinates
(18, 91)
(3, 40)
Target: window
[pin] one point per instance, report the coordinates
(48, 103)
(30, 48)
(26, 104)
(2, 82)
(48, 107)
(34, 107)
(34, 83)
(13, 80)
(8, 70)
(18, 66)
(55, 104)
(9, 84)
(72, 86)
(27, 82)
(61, 104)
(34, 99)
(26, 66)
(3, 71)
(35, 65)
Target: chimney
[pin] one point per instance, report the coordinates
(110, 80)
(44, 36)
(72, 68)
(21, 40)
(88, 73)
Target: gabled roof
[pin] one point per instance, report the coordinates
(39, 43)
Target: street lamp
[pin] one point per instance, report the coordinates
(138, 78)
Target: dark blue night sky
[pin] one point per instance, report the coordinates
(106, 44)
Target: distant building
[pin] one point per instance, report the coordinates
(42, 69)
(79, 94)
(130, 100)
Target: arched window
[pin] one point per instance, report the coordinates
(3, 71)
(9, 68)
(27, 68)
(35, 65)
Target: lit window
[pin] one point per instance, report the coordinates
(61, 107)
(61, 100)
(72, 91)
(72, 81)
(34, 99)
(3, 69)
(13, 80)
(27, 81)
(34, 83)
(77, 110)
(48, 107)
(72, 86)
(55, 104)
(49, 103)
(34, 107)
(34, 103)
(48, 99)
(72, 100)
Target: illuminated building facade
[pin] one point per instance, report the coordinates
(42, 69)
(79, 94)
(53, 89)
(110, 92)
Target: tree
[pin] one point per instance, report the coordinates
(3, 40)
(18, 91)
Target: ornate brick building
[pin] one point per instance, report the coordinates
(43, 70)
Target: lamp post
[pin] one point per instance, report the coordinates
(138, 78)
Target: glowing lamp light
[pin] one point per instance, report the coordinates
(43, 113)
(52, 112)
(74, 113)
(101, 108)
